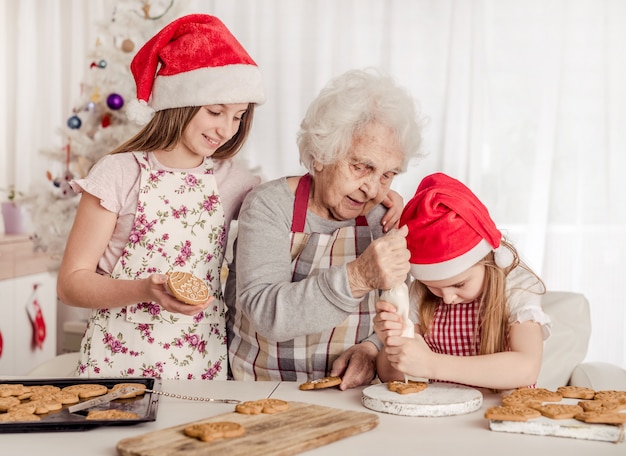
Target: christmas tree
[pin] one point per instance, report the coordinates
(97, 123)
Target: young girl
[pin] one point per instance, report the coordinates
(477, 306)
(162, 202)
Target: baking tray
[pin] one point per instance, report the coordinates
(145, 406)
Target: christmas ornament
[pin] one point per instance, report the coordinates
(33, 308)
(102, 64)
(115, 101)
(106, 121)
(128, 45)
(95, 96)
(74, 122)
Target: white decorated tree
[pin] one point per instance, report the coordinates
(97, 123)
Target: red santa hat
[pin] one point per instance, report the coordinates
(193, 61)
(450, 230)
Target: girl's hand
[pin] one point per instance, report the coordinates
(394, 204)
(411, 356)
(156, 289)
(387, 322)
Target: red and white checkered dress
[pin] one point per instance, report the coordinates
(454, 329)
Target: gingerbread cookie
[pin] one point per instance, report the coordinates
(140, 389)
(13, 389)
(17, 416)
(86, 390)
(407, 387)
(39, 391)
(187, 288)
(320, 383)
(599, 417)
(521, 401)
(559, 411)
(262, 406)
(576, 392)
(611, 395)
(539, 394)
(511, 413)
(112, 414)
(63, 397)
(208, 432)
(601, 406)
(7, 402)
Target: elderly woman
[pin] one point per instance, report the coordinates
(310, 255)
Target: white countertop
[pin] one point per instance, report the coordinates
(453, 435)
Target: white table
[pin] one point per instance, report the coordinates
(455, 435)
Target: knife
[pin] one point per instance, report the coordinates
(104, 399)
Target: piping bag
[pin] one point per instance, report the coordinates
(399, 297)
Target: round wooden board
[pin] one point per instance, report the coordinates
(438, 399)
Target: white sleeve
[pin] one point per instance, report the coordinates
(524, 300)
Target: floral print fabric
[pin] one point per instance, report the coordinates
(179, 225)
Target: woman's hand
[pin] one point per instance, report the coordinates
(156, 289)
(356, 366)
(383, 265)
(394, 204)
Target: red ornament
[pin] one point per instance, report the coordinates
(106, 121)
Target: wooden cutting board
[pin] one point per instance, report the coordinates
(302, 427)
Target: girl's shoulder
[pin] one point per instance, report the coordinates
(524, 297)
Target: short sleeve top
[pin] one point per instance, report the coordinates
(114, 179)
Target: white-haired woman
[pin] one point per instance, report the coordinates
(310, 255)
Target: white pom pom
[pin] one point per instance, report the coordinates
(503, 257)
(139, 112)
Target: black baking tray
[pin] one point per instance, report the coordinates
(145, 406)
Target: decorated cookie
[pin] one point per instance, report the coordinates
(320, 383)
(187, 288)
(407, 387)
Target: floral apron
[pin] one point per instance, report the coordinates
(310, 357)
(179, 225)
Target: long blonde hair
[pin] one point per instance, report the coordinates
(166, 128)
(493, 321)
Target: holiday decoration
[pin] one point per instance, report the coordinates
(98, 122)
(33, 308)
(74, 122)
(115, 101)
(128, 45)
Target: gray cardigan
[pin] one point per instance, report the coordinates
(259, 282)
